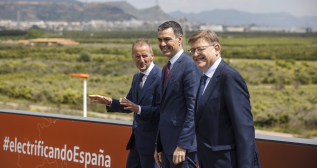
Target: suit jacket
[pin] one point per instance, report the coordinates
(144, 125)
(224, 123)
(178, 97)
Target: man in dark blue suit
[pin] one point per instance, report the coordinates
(144, 100)
(223, 119)
(176, 145)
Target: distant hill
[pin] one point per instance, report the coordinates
(72, 10)
(235, 17)
(148, 14)
(68, 1)
(51, 11)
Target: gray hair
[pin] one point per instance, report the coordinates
(174, 25)
(141, 42)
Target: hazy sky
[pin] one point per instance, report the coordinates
(297, 8)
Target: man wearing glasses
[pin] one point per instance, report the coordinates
(224, 123)
(176, 146)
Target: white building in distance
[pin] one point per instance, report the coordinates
(267, 29)
(235, 29)
(215, 28)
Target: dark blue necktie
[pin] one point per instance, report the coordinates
(201, 89)
(140, 86)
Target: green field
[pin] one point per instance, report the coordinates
(279, 69)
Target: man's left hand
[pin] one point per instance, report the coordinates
(179, 155)
(130, 105)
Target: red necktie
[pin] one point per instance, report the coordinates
(167, 71)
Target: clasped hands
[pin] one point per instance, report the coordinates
(178, 156)
(123, 101)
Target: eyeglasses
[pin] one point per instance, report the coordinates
(198, 50)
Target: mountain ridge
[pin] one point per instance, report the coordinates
(60, 11)
(73, 10)
(54, 10)
(69, 1)
(147, 14)
(236, 17)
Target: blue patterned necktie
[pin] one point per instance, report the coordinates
(201, 89)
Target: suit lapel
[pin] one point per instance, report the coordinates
(134, 89)
(175, 66)
(162, 80)
(210, 88)
(196, 98)
(149, 80)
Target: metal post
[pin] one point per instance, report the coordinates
(85, 76)
(85, 97)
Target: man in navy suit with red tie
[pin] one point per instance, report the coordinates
(224, 123)
(176, 145)
(144, 100)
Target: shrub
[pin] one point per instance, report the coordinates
(34, 33)
(84, 57)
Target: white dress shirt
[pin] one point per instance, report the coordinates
(175, 58)
(146, 74)
(210, 72)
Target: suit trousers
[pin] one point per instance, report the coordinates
(136, 160)
(190, 161)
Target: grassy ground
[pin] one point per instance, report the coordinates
(282, 81)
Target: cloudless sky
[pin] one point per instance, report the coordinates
(296, 8)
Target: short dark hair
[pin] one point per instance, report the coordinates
(171, 24)
(142, 42)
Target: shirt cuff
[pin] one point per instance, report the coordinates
(109, 105)
(139, 113)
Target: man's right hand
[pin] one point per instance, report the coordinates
(158, 158)
(100, 99)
